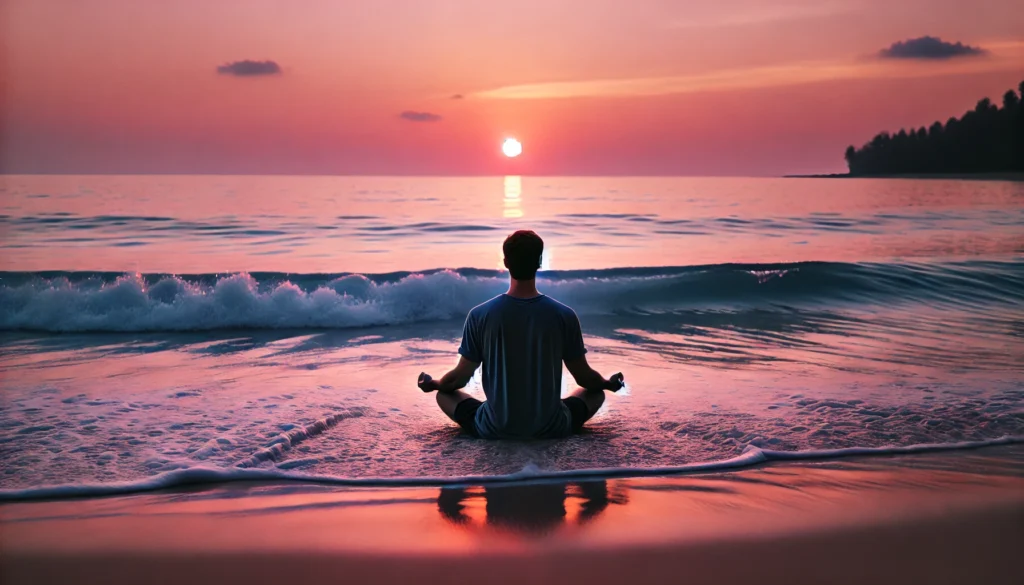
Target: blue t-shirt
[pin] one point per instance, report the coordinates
(522, 344)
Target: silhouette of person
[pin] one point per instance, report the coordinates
(533, 509)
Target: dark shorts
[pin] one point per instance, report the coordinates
(465, 413)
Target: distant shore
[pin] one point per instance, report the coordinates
(1007, 176)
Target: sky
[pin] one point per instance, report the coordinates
(432, 87)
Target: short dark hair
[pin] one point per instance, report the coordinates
(523, 250)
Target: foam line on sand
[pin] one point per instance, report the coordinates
(214, 476)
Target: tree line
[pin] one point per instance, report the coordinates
(987, 139)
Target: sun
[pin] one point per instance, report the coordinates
(512, 147)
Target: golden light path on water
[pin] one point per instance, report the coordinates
(513, 197)
(513, 209)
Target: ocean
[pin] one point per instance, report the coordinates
(162, 329)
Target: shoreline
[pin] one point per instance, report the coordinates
(951, 517)
(1001, 176)
(213, 478)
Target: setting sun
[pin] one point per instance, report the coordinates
(512, 147)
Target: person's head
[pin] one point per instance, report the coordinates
(523, 250)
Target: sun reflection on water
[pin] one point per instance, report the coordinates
(513, 209)
(513, 197)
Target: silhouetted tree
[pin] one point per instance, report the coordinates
(985, 139)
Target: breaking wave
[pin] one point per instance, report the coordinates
(97, 301)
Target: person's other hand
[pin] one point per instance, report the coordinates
(616, 382)
(426, 383)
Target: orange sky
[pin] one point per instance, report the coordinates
(703, 87)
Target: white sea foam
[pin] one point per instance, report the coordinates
(100, 302)
(173, 304)
(285, 441)
(214, 476)
(132, 303)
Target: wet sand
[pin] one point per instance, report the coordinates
(933, 518)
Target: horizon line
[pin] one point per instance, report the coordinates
(413, 175)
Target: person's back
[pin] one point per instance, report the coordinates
(522, 338)
(522, 344)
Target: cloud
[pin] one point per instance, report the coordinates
(929, 48)
(248, 68)
(650, 86)
(1007, 58)
(457, 96)
(419, 116)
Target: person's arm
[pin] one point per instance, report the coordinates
(470, 356)
(457, 378)
(575, 358)
(589, 379)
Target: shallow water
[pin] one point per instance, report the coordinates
(782, 314)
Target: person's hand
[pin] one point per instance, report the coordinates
(426, 383)
(616, 382)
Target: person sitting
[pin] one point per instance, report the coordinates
(521, 337)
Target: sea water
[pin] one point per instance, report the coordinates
(216, 326)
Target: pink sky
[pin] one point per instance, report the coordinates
(703, 87)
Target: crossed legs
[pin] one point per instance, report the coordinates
(593, 398)
(448, 401)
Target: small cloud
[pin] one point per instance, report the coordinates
(419, 116)
(457, 96)
(782, 75)
(248, 68)
(929, 48)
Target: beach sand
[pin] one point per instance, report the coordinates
(955, 517)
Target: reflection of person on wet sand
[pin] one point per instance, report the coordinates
(535, 509)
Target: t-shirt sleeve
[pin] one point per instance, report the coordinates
(574, 348)
(470, 348)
